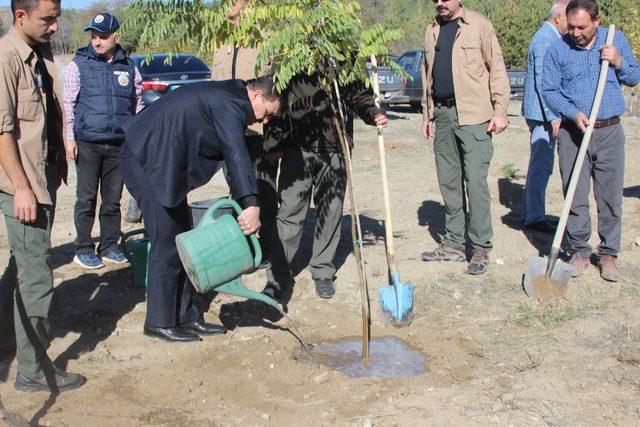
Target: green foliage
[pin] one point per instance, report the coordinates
(71, 35)
(625, 14)
(509, 171)
(184, 28)
(294, 36)
(410, 15)
(515, 23)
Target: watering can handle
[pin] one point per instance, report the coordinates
(208, 217)
(128, 234)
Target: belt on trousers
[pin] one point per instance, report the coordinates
(602, 123)
(451, 102)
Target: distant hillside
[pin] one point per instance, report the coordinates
(6, 19)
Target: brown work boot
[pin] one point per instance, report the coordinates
(608, 268)
(479, 262)
(444, 253)
(579, 264)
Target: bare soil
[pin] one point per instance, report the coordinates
(494, 356)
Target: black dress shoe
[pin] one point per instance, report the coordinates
(203, 328)
(170, 334)
(324, 288)
(541, 226)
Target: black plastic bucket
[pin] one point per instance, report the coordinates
(199, 208)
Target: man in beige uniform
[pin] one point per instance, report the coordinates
(32, 165)
(465, 101)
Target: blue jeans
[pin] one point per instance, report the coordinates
(540, 169)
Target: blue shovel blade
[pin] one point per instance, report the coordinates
(396, 302)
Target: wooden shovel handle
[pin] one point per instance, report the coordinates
(577, 168)
(383, 168)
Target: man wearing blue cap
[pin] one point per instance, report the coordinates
(101, 92)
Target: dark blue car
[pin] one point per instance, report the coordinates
(160, 77)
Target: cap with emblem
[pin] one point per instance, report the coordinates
(103, 23)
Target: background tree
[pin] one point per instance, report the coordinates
(294, 36)
(515, 23)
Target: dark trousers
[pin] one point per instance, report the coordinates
(306, 174)
(604, 164)
(97, 168)
(170, 294)
(266, 173)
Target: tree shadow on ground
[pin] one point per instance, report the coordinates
(62, 255)
(510, 195)
(632, 192)
(91, 305)
(372, 233)
(255, 313)
(431, 215)
(249, 313)
(393, 117)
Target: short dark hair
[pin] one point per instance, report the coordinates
(267, 86)
(26, 5)
(264, 84)
(589, 5)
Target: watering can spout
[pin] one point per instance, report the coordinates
(237, 288)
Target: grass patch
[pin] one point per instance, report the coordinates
(105, 357)
(509, 171)
(545, 317)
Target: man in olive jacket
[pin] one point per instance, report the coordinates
(32, 165)
(312, 165)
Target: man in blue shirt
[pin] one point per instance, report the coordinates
(543, 124)
(571, 69)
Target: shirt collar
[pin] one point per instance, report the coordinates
(24, 50)
(463, 17)
(555, 30)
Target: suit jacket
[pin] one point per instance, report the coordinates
(533, 106)
(181, 139)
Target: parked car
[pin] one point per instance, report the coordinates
(159, 77)
(396, 89)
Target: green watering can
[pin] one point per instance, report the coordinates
(216, 254)
(137, 252)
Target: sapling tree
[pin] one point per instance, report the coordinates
(313, 37)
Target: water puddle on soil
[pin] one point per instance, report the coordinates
(389, 357)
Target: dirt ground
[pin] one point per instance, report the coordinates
(494, 356)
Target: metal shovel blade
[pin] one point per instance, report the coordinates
(396, 302)
(538, 285)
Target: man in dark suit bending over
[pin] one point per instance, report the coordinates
(172, 147)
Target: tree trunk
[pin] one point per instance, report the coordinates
(632, 98)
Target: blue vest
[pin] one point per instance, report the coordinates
(107, 95)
